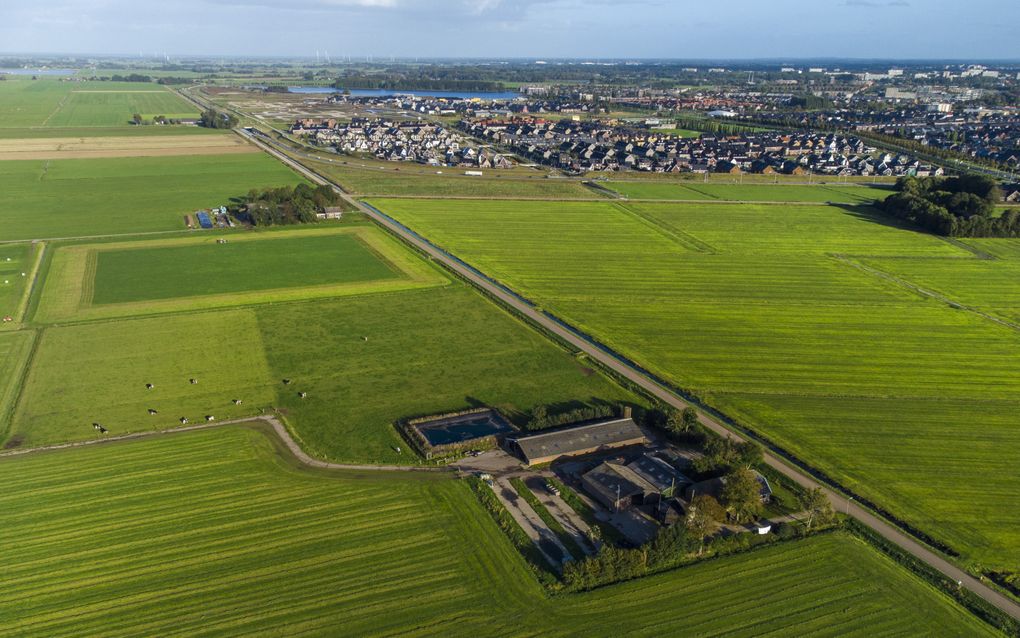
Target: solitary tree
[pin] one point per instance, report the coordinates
(818, 507)
(742, 496)
(703, 517)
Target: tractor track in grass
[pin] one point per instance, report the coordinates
(277, 426)
(646, 381)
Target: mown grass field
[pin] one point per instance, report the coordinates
(14, 260)
(97, 372)
(144, 274)
(26, 104)
(692, 190)
(215, 533)
(764, 312)
(84, 197)
(14, 349)
(154, 276)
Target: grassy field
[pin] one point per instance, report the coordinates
(97, 372)
(368, 361)
(847, 194)
(145, 274)
(452, 183)
(215, 533)
(81, 197)
(38, 103)
(108, 131)
(903, 398)
(14, 260)
(14, 348)
(142, 277)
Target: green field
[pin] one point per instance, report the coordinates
(97, 372)
(14, 350)
(427, 352)
(83, 197)
(765, 313)
(106, 131)
(400, 182)
(143, 274)
(846, 194)
(216, 533)
(14, 260)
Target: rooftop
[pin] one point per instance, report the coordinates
(573, 440)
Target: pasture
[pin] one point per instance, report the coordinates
(368, 361)
(98, 372)
(216, 532)
(694, 190)
(131, 278)
(15, 259)
(87, 197)
(14, 349)
(36, 148)
(751, 309)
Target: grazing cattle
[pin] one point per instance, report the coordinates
(184, 419)
(149, 386)
(194, 381)
(96, 426)
(210, 417)
(102, 430)
(237, 402)
(286, 382)
(302, 394)
(151, 411)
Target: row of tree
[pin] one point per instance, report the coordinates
(541, 417)
(286, 204)
(211, 118)
(959, 206)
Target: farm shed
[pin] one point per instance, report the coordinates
(616, 486)
(548, 446)
(331, 212)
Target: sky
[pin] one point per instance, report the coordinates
(607, 29)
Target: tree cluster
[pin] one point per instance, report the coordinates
(286, 205)
(133, 77)
(211, 118)
(961, 206)
(613, 564)
(540, 417)
(724, 455)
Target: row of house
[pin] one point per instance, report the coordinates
(596, 146)
(409, 141)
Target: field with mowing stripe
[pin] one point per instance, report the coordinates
(766, 312)
(692, 190)
(131, 278)
(84, 197)
(97, 373)
(14, 348)
(216, 533)
(99, 147)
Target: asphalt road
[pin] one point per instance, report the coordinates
(640, 379)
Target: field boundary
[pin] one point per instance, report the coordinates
(67, 294)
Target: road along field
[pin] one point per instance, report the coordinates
(847, 194)
(37, 103)
(765, 313)
(126, 146)
(139, 277)
(216, 532)
(14, 350)
(87, 197)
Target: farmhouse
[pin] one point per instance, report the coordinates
(331, 212)
(582, 439)
(713, 487)
(644, 480)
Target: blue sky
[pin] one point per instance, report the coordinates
(519, 28)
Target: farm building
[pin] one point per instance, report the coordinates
(203, 219)
(331, 212)
(645, 480)
(582, 439)
(713, 487)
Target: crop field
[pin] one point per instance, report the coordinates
(845, 194)
(131, 278)
(85, 197)
(38, 103)
(97, 372)
(121, 146)
(367, 361)
(215, 532)
(766, 312)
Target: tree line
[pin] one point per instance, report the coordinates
(959, 206)
(211, 118)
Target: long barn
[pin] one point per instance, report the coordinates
(545, 447)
